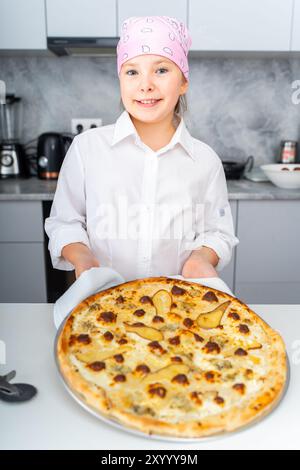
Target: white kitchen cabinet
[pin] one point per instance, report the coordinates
(81, 18)
(22, 267)
(22, 272)
(174, 8)
(240, 25)
(227, 274)
(22, 25)
(268, 255)
(21, 221)
(295, 39)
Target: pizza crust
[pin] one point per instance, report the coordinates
(250, 408)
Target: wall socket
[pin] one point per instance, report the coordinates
(80, 125)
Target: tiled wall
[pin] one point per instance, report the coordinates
(238, 106)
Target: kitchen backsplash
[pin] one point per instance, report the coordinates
(240, 107)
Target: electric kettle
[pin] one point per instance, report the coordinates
(51, 150)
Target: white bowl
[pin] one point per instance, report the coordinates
(288, 179)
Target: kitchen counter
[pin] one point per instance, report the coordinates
(53, 420)
(34, 189)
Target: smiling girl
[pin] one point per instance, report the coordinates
(142, 195)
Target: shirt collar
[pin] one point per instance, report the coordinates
(125, 127)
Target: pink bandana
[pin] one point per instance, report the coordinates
(159, 35)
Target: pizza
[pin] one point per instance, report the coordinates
(173, 358)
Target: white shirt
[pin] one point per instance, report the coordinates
(141, 212)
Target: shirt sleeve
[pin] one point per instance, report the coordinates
(217, 230)
(67, 221)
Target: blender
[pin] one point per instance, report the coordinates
(12, 156)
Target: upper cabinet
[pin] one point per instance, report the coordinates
(22, 25)
(215, 25)
(295, 40)
(241, 25)
(81, 18)
(175, 8)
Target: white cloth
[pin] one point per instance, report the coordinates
(214, 282)
(97, 279)
(88, 283)
(140, 212)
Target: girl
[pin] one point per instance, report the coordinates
(142, 195)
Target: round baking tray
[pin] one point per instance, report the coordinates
(116, 424)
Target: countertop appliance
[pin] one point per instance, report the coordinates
(236, 170)
(57, 280)
(51, 150)
(12, 156)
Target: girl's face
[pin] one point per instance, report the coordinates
(151, 77)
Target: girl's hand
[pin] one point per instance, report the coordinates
(81, 257)
(84, 263)
(198, 265)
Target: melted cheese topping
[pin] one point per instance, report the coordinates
(207, 387)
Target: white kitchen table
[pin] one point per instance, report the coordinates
(54, 420)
